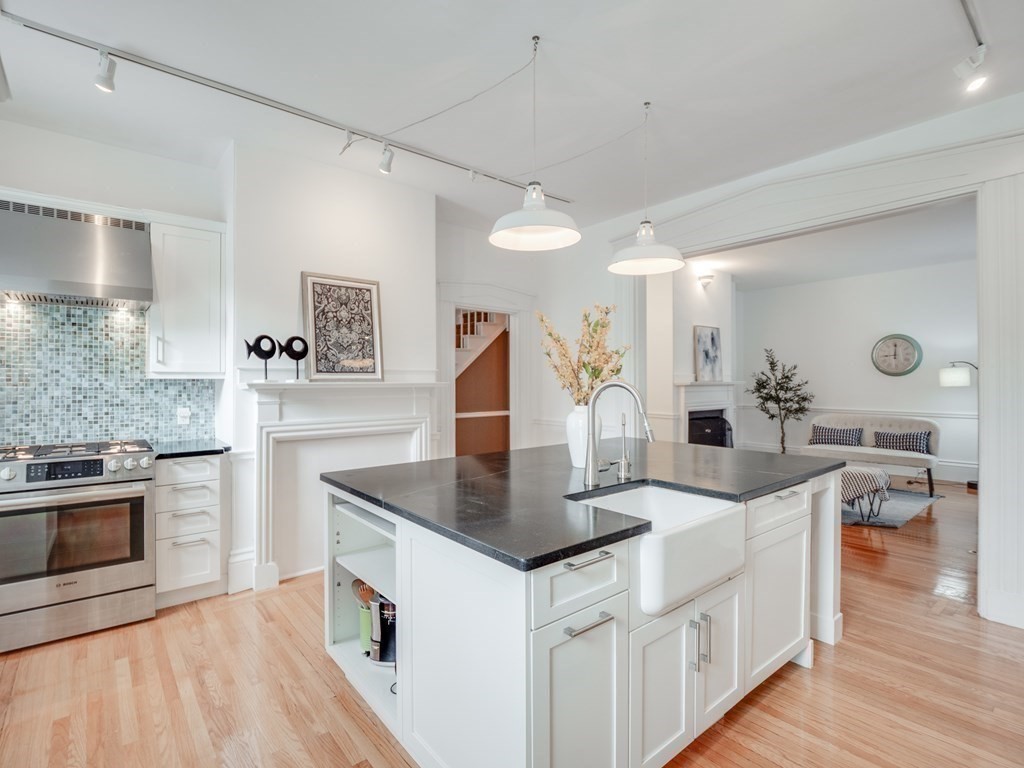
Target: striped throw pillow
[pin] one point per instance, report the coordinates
(903, 441)
(834, 435)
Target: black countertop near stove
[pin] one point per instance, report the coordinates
(512, 506)
(180, 449)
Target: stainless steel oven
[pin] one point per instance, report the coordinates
(76, 540)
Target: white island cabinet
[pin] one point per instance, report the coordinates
(554, 667)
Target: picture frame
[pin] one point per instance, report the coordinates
(707, 353)
(341, 319)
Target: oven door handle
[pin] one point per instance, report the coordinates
(63, 498)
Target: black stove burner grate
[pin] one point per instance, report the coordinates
(73, 450)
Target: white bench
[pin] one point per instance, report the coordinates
(867, 453)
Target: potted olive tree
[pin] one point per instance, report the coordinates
(780, 394)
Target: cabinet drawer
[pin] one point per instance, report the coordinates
(187, 496)
(567, 586)
(187, 560)
(187, 522)
(187, 470)
(769, 512)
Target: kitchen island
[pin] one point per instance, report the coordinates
(525, 633)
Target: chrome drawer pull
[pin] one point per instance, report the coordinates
(602, 618)
(706, 657)
(190, 487)
(602, 555)
(181, 463)
(189, 514)
(695, 665)
(189, 543)
(789, 495)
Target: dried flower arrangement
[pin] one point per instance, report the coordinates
(593, 364)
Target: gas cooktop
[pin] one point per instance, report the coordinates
(73, 450)
(40, 467)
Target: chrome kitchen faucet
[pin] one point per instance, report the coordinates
(590, 473)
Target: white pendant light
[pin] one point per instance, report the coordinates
(646, 256)
(534, 227)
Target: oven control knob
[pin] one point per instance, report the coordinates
(7, 473)
(113, 465)
(129, 463)
(145, 462)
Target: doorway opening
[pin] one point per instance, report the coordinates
(482, 414)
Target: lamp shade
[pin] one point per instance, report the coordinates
(647, 256)
(952, 376)
(534, 227)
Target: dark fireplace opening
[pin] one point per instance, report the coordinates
(710, 428)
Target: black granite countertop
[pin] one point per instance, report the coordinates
(180, 449)
(513, 506)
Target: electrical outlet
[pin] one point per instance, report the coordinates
(184, 416)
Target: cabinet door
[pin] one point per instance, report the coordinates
(662, 656)
(778, 598)
(580, 688)
(186, 328)
(187, 561)
(720, 680)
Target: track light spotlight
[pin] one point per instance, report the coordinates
(969, 70)
(5, 89)
(385, 159)
(105, 75)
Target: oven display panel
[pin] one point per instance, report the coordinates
(64, 470)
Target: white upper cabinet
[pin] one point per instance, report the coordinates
(186, 320)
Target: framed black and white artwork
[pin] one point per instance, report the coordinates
(707, 353)
(341, 316)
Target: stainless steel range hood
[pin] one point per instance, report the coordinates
(56, 256)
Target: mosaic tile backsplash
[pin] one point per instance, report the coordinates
(79, 373)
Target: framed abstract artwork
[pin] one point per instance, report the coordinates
(707, 353)
(341, 316)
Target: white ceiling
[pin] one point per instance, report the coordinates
(737, 86)
(934, 234)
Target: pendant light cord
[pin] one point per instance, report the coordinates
(536, 43)
(647, 112)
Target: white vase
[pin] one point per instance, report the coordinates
(576, 434)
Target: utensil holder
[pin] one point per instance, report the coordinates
(364, 629)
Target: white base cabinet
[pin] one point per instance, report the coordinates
(685, 671)
(778, 598)
(188, 522)
(580, 674)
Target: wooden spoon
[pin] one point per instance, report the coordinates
(366, 593)
(358, 587)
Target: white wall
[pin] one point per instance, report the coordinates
(692, 304)
(293, 215)
(54, 164)
(828, 329)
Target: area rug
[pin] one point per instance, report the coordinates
(901, 507)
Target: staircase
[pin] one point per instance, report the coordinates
(474, 332)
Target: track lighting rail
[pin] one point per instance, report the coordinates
(241, 93)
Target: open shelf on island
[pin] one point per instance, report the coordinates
(375, 566)
(373, 681)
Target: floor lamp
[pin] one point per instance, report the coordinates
(951, 376)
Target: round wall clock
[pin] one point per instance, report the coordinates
(896, 354)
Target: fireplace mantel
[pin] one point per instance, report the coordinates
(704, 396)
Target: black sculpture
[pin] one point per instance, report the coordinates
(296, 348)
(263, 347)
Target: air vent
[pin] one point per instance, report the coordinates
(31, 209)
(21, 297)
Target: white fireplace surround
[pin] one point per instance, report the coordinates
(704, 396)
(341, 417)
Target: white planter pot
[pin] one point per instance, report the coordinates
(576, 434)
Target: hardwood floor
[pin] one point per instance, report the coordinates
(918, 680)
